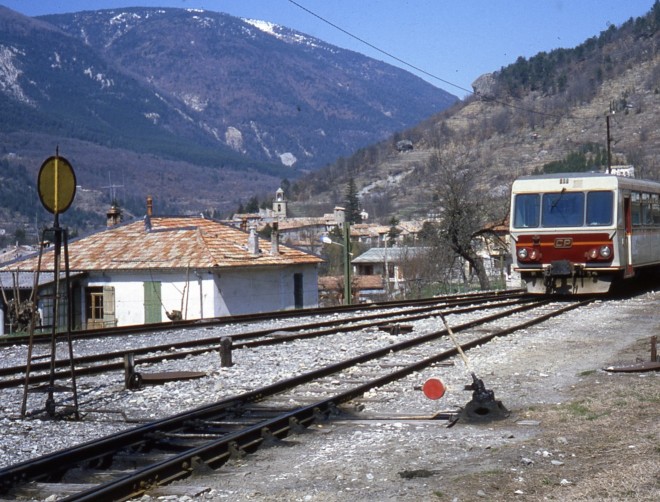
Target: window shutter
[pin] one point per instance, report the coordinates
(109, 306)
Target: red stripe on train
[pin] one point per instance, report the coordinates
(561, 246)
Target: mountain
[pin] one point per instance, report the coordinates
(266, 91)
(200, 109)
(545, 112)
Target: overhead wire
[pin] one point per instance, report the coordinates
(431, 75)
(382, 51)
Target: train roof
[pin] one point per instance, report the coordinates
(589, 180)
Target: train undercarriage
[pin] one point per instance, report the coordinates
(565, 278)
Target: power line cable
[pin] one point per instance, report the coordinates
(382, 51)
(417, 68)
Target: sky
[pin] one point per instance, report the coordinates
(449, 43)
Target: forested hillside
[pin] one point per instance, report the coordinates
(545, 112)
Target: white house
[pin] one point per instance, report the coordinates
(178, 268)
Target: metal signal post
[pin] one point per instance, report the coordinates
(57, 188)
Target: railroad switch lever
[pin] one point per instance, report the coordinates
(132, 379)
(480, 392)
(483, 406)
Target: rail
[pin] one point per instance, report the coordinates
(202, 436)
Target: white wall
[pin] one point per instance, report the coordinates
(179, 291)
(264, 290)
(207, 294)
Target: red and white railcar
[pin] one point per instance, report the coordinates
(578, 233)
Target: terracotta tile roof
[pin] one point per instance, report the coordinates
(295, 223)
(171, 243)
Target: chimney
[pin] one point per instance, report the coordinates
(113, 216)
(253, 242)
(150, 206)
(275, 240)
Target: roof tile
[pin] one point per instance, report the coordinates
(172, 242)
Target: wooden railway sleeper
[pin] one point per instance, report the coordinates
(295, 425)
(235, 451)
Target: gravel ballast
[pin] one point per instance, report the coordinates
(575, 432)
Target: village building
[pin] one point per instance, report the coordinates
(384, 245)
(386, 264)
(177, 268)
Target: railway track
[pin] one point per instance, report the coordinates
(121, 331)
(132, 462)
(353, 320)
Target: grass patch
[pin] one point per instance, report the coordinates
(579, 409)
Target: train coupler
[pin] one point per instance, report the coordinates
(483, 406)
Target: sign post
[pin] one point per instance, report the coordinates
(57, 189)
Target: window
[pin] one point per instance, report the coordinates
(526, 210)
(636, 208)
(647, 215)
(655, 208)
(95, 304)
(100, 307)
(600, 208)
(563, 209)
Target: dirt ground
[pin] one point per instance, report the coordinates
(602, 444)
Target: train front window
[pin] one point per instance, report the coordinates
(526, 210)
(563, 209)
(600, 208)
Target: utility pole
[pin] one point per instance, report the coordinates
(609, 142)
(348, 293)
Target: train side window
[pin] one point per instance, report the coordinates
(526, 210)
(636, 211)
(563, 209)
(635, 208)
(647, 215)
(600, 208)
(655, 210)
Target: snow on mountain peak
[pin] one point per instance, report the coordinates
(282, 33)
(264, 26)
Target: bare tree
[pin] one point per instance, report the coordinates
(468, 210)
(425, 269)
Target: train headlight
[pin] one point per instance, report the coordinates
(600, 253)
(527, 254)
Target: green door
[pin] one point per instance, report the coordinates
(152, 306)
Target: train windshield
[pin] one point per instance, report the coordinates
(526, 210)
(600, 207)
(563, 209)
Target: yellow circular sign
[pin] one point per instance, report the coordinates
(57, 184)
